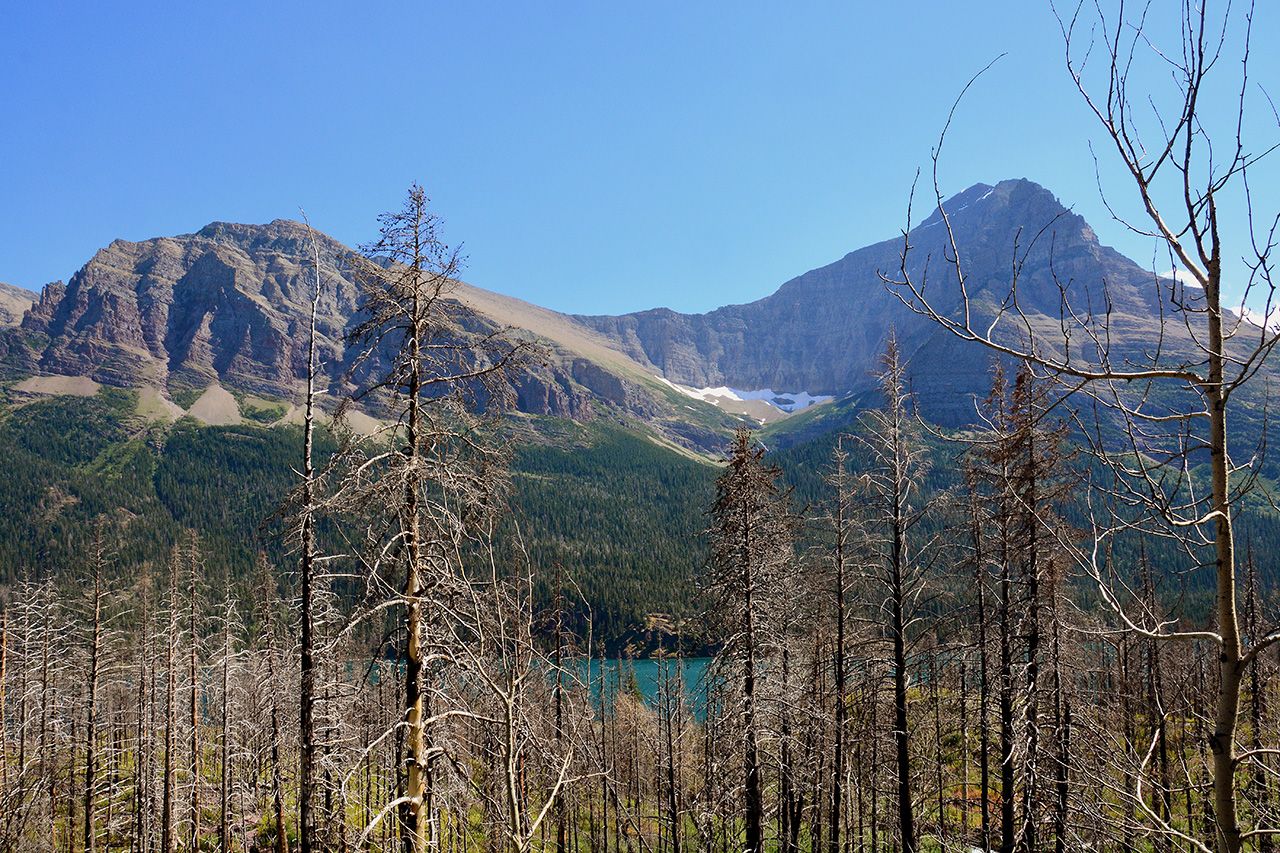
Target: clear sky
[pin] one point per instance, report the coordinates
(593, 157)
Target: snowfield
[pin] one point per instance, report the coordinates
(786, 401)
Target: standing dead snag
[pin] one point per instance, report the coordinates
(429, 482)
(838, 525)
(752, 537)
(899, 564)
(307, 500)
(1184, 161)
(100, 559)
(1014, 468)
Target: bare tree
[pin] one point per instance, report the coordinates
(98, 564)
(307, 501)
(752, 537)
(839, 525)
(432, 478)
(898, 564)
(1171, 402)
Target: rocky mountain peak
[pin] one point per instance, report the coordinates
(280, 236)
(223, 304)
(228, 304)
(822, 332)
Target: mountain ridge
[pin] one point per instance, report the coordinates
(228, 305)
(822, 331)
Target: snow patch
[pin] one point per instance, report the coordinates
(786, 401)
(987, 193)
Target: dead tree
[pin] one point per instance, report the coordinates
(433, 477)
(898, 565)
(1170, 402)
(752, 537)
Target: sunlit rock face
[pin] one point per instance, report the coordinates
(227, 304)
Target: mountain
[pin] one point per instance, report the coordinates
(96, 379)
(14, 302)
(226, 309)
(823, 331)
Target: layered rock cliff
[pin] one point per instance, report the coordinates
(230, 305)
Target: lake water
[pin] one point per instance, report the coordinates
(646, 674)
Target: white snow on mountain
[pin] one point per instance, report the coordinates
(785, 401)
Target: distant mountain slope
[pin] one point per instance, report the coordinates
(225, 304)
(14, 302)
(824, 331)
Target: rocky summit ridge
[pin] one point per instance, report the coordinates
(823, 331)
(228, 305)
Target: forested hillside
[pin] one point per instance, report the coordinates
(620, 514)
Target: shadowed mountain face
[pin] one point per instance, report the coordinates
(230, 304)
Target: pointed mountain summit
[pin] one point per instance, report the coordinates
(824, 331)
(224, 304)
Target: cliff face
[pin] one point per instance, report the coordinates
(226, 304)
(230, 304)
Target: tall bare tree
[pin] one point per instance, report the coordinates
(899, 564)
(1185, 161)
(432, 477)
(752, 536)
(306, 501)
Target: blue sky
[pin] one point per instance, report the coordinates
(593, 157)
